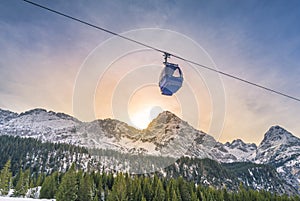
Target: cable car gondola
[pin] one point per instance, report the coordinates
(171, 78)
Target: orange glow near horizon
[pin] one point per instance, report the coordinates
(147, 102)
(129, 91)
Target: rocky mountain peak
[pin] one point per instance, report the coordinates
(277, 135)
(166, 135)
(281, 149)
(6, 116)
(35, 111)
(44, 115)
(166, 121)
(165, 117)
(240, 144)
(235, 143)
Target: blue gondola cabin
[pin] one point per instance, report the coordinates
(171, 79)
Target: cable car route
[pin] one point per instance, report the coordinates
(166, 83)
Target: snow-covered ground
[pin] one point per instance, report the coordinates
(31, 192)
(23, 199)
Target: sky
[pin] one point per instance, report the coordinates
(45, 59)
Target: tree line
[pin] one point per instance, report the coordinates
(32, 153)
(78, 185)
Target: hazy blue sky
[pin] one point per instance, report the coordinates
(41, 53)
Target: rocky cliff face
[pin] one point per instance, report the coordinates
(281, 149)
(166, 135)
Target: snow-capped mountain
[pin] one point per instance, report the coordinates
(278, 145)
(235, 151)
(166, 135)
(38, 123)
(47, 158)
(6, 116)
(281, 149)
(175, 137)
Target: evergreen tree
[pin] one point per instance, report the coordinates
(102, 186)
(85, 190)
(184, 190)
(109, 181)
(172, 191)
(26, 181)
(40, 179)
(225, 195)
(137, 191)
(159, 192)
(174, 196)
(22, 183)
(118, 192)
(5, 178)
(49, 186)
(129, 183)
(100, 191)
(19, 184)
(146, 188)
(68, 188)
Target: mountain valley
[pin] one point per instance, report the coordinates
(168, 137)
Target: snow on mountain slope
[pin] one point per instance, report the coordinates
(175, 137)
(236, 151)
(242, 151)
(39, 123)
(281, 149)
(6, 116)
(106, 134)
(23, 199)
(166, 135)
(277, 145)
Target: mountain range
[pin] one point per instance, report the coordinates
(166, 136)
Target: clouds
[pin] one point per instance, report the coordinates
(40, 52)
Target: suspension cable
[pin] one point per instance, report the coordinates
(162, 51)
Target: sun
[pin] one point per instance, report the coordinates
(146, 103)
(142, 118)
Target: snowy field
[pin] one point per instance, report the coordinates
(23, 199)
